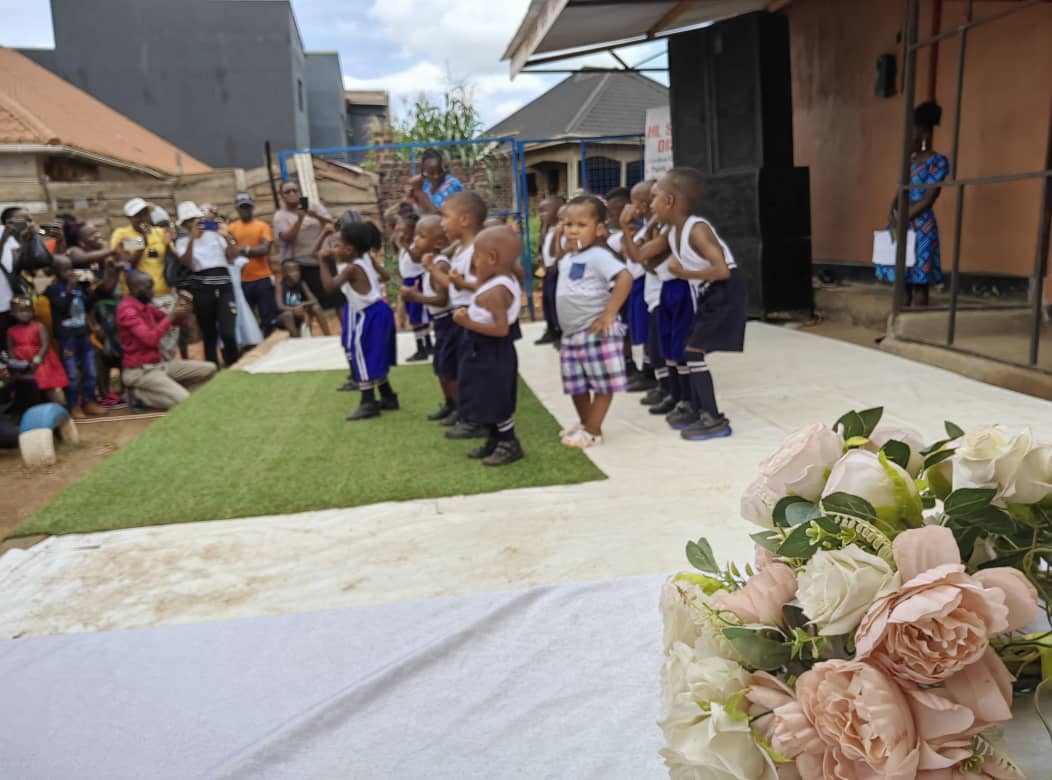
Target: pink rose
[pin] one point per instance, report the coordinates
(864, 719)
(763, 596)
(940, 621)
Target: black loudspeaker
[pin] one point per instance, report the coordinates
(887, 74)
(732, 118)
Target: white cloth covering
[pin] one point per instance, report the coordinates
(555, 682)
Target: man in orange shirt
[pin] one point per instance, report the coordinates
(254, 239)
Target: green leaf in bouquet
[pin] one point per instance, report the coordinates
(851, 425)
(758, 652)
(700, 555)
(807, 538)
(968, 501)
(794, 616)
(870, 419)
(778, 515)
(966, 537)
(733, 706)
(928, 502)
(850, 506)
(898, 452)
(1030, 516)
(935, 458)
(855, 442)
(768, 540)
(801, 512)
(708, 585)
(936, 446)
(992, 520)
(953, 431)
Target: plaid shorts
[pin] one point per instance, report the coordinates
(591, 362)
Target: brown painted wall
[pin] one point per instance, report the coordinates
(851, 140)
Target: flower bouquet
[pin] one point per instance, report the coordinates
(890, 616)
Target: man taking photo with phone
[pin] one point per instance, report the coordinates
(298, 225)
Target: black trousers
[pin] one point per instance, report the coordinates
(216, 314)
(260, 296)
(311, 275)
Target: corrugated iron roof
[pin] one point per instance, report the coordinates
(586, 103)
(38, 107)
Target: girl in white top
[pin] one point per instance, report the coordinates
(370, 322)
(489, 364)
(592, 351)
(412, 273)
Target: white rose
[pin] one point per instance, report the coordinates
(837, 587)
(686, 619)
(1033, 478)
(988, 458)
(688, 678)
(798, 468)
(717, 747)
(907, 436)
(886, 486)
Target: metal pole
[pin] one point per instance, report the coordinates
(955, 279)
(584, 169)
(528, 267)
(909, 88)
(1041, 256)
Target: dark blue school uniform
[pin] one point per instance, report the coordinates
(489, 365)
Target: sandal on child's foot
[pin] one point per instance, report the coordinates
(582, 440)
(505, 452)
(571, 431)
(484, 450)
(365, 410)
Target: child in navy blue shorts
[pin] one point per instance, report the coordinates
(489, 365)
(462, 216)
(703, 304)
(592, 355)
(370, 332)
(428, 240)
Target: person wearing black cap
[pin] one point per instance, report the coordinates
(254, 239)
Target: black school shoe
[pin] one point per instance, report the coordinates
(707, 427)
(418, 356)
(654, 396)
(442, 412)
(637, 383)
(450, 419)
(484, 450)
(347, 386)
(547, 338)
(506, 452)
(467, 430)
(390, 404)
(664, 406)
(365, 410)
(682, 416)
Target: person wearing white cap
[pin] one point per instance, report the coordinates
(207, 252)
(142, 245)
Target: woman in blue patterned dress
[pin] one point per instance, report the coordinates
(926, 167)
(429, 189)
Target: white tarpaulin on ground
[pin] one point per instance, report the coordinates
(547, 683)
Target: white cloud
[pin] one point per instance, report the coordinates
(421, 77)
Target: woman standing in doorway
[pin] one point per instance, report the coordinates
(926, 167)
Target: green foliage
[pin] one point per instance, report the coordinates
(451, 116)
(854, 424)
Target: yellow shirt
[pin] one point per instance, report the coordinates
(152, 261)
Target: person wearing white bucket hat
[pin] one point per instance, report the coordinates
(142, 245)
(208, 253)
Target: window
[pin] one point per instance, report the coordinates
(299, 93)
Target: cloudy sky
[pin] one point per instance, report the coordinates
(403, 46)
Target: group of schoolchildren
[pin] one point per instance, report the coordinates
(631, 280)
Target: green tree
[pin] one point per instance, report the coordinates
(453, 116)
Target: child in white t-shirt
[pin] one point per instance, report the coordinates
(592, 355)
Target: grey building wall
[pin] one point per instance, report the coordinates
(325, 104)
(215, 78)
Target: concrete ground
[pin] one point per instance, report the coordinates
(660, 492)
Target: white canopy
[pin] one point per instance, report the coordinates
(556, 29)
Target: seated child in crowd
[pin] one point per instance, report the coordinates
(462, 216)
(428, 241)
(489, 366)
(412, 273)
(370, 331)
(28, 341)
(592, 355)
(296, 304)
(551, 209)
(703, 303)
(70, 304)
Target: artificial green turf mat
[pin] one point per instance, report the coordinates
(259, 444)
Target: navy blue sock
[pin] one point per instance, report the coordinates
(683, 378)
(702, 390)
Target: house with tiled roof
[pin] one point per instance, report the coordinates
(51, 132)
(588, 104)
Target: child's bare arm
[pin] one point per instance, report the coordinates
(330, 282)
(327, 231)
(618, 296)
(380, 270)
(308, 294)
(279, 299)
(704, 242)
(496, 302)
(439, 271)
